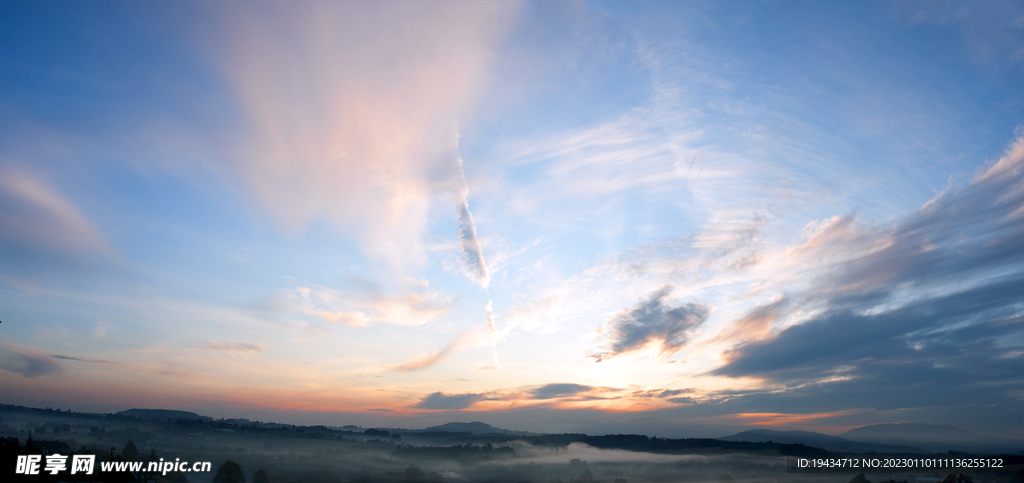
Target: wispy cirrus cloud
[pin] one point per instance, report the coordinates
(784, 419)
(475, 337)
(233, 346)
(40, 227)
(359, 308)
(359, 138)
(931, 302)
(28, 362)
(427, 360)
(79, 359)
(755, 324)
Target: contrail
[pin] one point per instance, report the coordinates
(472, 253)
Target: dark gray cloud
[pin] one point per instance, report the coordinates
(971, 234)
(967, 376)
(841, 338)
(963, 234)
(440, 400)
(925, 324)
(94, 361)
(651, 322)
(27, 362)
(550, 391)
(676, 392)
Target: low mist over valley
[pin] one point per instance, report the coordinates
(458, 452)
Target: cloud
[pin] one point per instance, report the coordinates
(627, 153)
(784, 419)
(94, 361)
(964, 234)
(555, 390)
(357, 137)
(416, 307)
(474, 337)
(990, 30)
(27, 362)
(233, 346)
(100, 330)
(651, 323)
(755, 324)
(817, 347)
(675, 392)
(953, 261)
(442, 401)
(427, 360)
(926, 310)
(472, 252)
(973, 370)
(39, 227)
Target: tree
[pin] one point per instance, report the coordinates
(130, 451)
(413, 473)
(229, 472)
(859, 479)
(260, 476)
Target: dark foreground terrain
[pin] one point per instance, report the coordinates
(255, 452)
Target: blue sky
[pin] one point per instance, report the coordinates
(794, 215)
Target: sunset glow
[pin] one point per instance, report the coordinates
(795, 215)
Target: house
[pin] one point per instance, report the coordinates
(957, 478)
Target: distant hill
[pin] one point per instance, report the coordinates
(162, 414)
(787, 437)
(832, 443)
(645, 426)
(935, 437)
(476, 427)
(932, 433)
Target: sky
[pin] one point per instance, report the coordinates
(725, 216)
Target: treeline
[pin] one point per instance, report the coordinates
(455, 452)
(639, 442)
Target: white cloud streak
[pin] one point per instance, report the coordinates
(472, 252)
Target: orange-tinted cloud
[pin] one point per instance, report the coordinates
(756, 324)
(782, 419)
(350, 111)
(415, 307)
